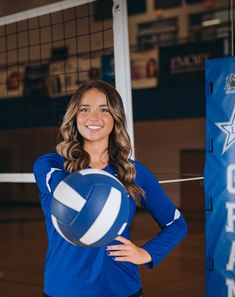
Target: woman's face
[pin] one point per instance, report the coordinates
(94, 120)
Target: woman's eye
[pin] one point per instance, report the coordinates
(83, 109)
(104, 110)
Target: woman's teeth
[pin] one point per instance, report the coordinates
(94, 127)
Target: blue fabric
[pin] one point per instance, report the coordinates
(74, 271)
(220, 140)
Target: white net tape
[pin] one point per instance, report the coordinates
(29, 178)
(39, 11)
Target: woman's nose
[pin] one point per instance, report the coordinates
(94, 115)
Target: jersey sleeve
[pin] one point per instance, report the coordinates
(172, 224)
(48, 171)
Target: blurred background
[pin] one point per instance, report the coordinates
(44, 57)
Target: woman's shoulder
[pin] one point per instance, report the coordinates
(52, 156)
(146, 179)
(140, 167)
(51, 159)
(143, 174)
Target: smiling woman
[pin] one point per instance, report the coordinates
(94, 134)
(97, 103)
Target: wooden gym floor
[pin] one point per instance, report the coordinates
(23, 244)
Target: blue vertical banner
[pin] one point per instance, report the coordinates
(219, 181)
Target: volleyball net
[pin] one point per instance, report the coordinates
(45, 54)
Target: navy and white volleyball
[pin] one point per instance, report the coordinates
(90, 207)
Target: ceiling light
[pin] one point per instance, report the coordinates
(212, 22)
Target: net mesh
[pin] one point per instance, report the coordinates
(43, 59)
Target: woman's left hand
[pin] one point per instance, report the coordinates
(128, 251)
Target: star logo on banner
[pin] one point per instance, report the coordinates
(229, 129)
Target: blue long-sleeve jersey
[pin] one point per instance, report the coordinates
(74, 271)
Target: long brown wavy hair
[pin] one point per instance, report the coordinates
(119, 149)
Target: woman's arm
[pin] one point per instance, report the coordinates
(172, 224)
(168, 217)
(48, 171)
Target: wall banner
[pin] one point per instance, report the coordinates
(220, 177)
(183, 65)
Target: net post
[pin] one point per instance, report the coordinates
(122, 62)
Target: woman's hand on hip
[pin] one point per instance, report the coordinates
(128, 252)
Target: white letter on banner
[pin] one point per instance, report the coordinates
(231, 287)
(231, 261)
(230, 216)
(231, 179)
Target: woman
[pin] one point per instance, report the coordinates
(94, 135)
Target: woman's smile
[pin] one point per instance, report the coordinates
(94, 127)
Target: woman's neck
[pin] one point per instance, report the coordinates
(98, 154)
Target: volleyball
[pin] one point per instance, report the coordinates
(90, 208)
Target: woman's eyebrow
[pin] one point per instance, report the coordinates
(89, 105)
